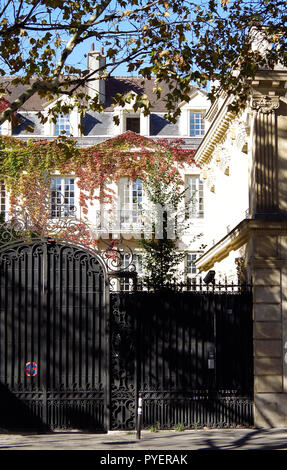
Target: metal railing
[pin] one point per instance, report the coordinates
(196, 285)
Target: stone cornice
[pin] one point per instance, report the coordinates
(237, 238)
(273, 79)
(215, 133)
(274, 75)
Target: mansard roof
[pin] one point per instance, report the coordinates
(114, 85)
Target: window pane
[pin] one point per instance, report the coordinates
(62, 125)
(196, 124)
(131, 195)
(62, 197)
(195, 197)
(191, 269)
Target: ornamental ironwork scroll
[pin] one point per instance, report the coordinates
(122, 365)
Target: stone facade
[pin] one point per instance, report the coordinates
(263, 235)
(270, 340)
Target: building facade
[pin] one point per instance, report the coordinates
(92, 128)
(239, 218)
(244, 159)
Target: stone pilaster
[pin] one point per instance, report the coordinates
(264, 181)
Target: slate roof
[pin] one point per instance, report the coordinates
(116, 84)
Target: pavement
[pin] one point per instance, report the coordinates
(162, 441)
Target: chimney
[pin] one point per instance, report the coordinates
(96, 62)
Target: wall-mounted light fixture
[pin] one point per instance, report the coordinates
(210, 277)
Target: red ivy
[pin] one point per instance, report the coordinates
(4, 104)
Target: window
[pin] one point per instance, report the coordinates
(126, 284)
(62, 126)
(130, 198)
(133, 124)
(194, 197)
(2, 198)
(196, 124)
(62, 197)
(191, 269)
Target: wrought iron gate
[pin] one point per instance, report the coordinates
(53, 337)
(74, 356)
(189, 354)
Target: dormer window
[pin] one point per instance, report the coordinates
(129, 120)
(196, 123)
(63, 126)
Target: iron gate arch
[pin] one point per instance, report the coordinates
(54, 299)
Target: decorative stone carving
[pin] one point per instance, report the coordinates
(265, 104)
(209, 177)
(241, 136)
(222, 158)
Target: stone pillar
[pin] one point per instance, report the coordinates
(267, 248)
(264, 179)
(269, 396)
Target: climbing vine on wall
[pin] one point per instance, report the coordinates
(25, 164)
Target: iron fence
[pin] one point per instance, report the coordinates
(134, 284)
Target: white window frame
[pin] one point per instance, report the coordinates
(130, 200)
(63, 202)
(74, 118)
(190, 268)
(194, 197)
(64, 121)
(199, 128)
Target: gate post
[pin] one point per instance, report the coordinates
(269, 333)
(267, 251)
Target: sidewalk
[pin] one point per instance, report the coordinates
(202, 440)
